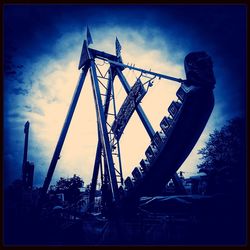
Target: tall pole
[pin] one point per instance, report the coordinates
(25, 152)
(99, 144)
(103, 131)
(64, 130)
(148, 72)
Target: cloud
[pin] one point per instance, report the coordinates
(34, 109)
(53, 88)
(46, 74)
(20, 91)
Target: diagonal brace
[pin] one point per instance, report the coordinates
(99, 146)
(103, 130)
(64, 130)
(139, 109)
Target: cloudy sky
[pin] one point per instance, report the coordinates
(42, 45)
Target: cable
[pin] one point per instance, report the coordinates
(102, 63)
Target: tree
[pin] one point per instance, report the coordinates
(69, 187)
(224, 161)
(223, 157)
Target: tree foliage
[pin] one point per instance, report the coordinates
(69, 187)
(224, 153)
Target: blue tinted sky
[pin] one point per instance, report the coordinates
(42, 45)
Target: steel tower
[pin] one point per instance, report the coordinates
(108, 161)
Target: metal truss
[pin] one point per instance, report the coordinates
(108, 161)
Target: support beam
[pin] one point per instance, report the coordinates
(148, 72)
(103, 130)
(99, 146)
(95, 175)
(102, 55)
(64, 130)
(118, 143)
(139, 109)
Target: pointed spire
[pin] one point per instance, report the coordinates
(89, 38)
(26, 127)
(118, 47)
(84, 55)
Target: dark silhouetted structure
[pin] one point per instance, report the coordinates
(28, 167)
(169, 147)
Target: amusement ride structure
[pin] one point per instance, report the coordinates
(169, 147)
